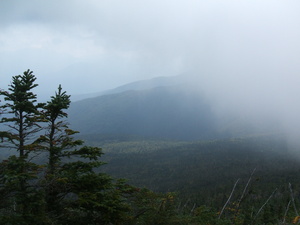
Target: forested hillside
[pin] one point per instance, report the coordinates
(162, 112)
(199, 167)
(204, 172)
(150, 112)
(163, 108)
(49, 176)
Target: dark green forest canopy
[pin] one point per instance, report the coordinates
(202, 168)
(204, 172)
(249, 180)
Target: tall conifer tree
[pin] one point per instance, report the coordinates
(22, 112)
(22, 117)
(68, 188)
(72, 184)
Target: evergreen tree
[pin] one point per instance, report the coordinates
(55, 141)
(17, 172)
(69, 187)
(74, 190)
(23, 113)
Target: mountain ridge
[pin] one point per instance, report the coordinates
(163, 107)
(157, 112)
(136, 85)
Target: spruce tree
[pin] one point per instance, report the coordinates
(22, 113)
(56, 140)
(66, 189)
(21, 117)
(75, 191)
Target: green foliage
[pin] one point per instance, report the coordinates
(58, 103)
(155, 208)
(18, 202)
(67, 189)
(73, 187)
(192, 180)
(203, 173)
(19, 173)
(21, 96)
(23, 112)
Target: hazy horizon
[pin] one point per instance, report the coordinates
(243, 54)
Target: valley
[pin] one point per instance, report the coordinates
(166, 150)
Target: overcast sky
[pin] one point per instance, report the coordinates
(94, 45)
(241, 51)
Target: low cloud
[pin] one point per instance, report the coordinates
(243, 54)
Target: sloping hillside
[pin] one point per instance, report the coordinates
(165, 112)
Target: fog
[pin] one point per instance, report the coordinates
(244, 55)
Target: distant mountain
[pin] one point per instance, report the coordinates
(165, 112)
(137, 85)
(149, 84)
(164, 107)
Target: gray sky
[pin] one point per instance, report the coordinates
(95, 45)
(245, 54)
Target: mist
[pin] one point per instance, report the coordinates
(243, 55)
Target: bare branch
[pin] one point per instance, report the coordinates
(293, 199)
(286, 211)
(261, 208)
(245, 189)
(244, 192)
(228, 200)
